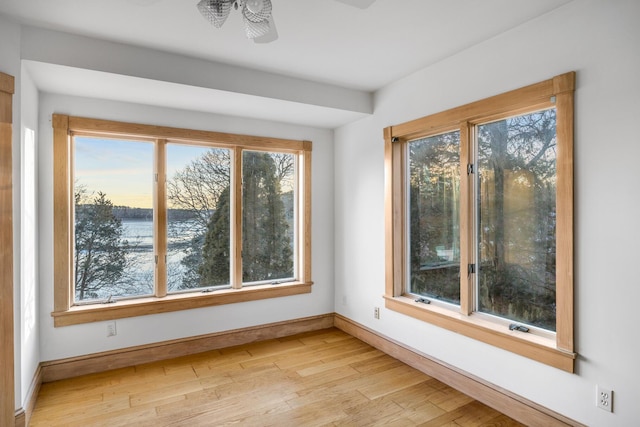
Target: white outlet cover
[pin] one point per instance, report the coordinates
(604, 398)
(111, 329)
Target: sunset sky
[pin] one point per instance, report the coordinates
(123, 170)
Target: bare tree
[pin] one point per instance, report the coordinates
(198, 186)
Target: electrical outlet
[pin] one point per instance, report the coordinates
(376, 312)
(111, 329)
(604, 398)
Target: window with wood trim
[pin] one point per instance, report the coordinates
(150, 219)
(479, 220)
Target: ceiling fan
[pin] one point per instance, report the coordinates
(257, 15)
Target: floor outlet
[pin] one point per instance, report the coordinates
(376, 312)
(111, 329)
(604, 398)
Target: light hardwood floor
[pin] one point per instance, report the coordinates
(321, 378)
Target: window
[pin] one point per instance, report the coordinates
(152, 219)
(479, 220)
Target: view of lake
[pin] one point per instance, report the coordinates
(139, 233)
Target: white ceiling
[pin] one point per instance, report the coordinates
(320, 40)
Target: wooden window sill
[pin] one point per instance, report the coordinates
(533, 346)
(142, 306)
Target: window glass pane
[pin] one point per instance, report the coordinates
(434, 217)
(198, 217)
(516, 218)
(113, 194)
(268, 200)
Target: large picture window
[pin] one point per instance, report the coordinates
(480, 220)
(151, 219)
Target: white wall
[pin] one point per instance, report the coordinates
(29, 337)
(600, 39)
(89, 338)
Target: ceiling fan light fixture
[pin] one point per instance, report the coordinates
(256, 14)
(215, 11)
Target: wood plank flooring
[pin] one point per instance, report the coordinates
(322, 378)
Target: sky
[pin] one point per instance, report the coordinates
(123, 170)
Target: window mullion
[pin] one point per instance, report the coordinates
(236, 221)
(160, 217)
(304, 215)
(400, 206)
(466, 220)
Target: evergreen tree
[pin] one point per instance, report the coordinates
(99, 248)
(214, 266)
(266, 243)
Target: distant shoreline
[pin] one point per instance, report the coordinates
(146, 214)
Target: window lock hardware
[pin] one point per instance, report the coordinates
(395, 139)
(471, 269)
(109, 300)
(470, 168)
(206, 291)
(423, 300)
(516, 327)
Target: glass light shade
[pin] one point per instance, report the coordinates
(215, 11)
(261, 14)
(255, 6)
(255, 29)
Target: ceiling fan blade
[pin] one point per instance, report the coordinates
(272, 35)
(361, 4)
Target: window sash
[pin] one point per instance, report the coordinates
(410, 280)
(248, 253)
(508, 226)
(94, 142)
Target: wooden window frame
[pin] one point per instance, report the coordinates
(66, 313)
(552, 349)
(7, 373)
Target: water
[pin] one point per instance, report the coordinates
(140, 233)
(141, 256)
